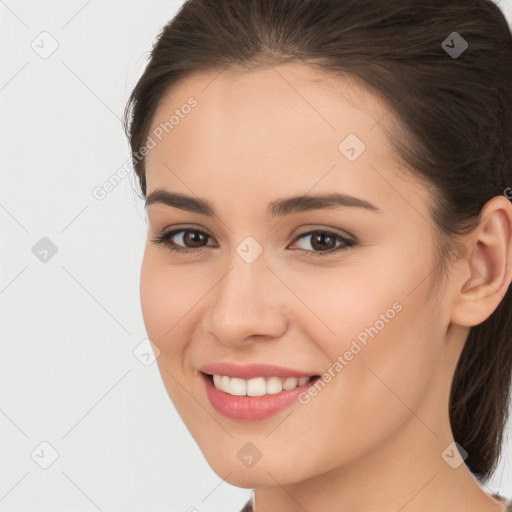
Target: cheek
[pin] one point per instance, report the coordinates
(384, 343)
(378, 385)
(396, 362)
(163, 297)
(165, 301)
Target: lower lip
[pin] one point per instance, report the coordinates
(251, 408)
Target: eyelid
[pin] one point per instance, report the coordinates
(346, 244)
(294, 235)
(164, 238)
(315, 227)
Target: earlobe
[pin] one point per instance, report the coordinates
(488, 262)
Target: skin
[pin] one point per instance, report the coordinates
(374, 436)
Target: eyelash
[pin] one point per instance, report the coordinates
(164, 239)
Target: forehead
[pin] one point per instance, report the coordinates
(283, 104)
(273, 129)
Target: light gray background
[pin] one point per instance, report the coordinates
(68, 374)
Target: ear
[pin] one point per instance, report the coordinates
(487, 262)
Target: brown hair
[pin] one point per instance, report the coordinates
(455, 128)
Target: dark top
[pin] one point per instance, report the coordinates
(497, 496)
(249, 506)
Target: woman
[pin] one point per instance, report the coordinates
(378, 136)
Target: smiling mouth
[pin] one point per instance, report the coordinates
(257, 386)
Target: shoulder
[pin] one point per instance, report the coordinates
(502, 499)
(248, 507)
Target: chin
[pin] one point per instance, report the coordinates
(265, 472)
(249, 478)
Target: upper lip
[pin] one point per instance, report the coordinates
(249, 371)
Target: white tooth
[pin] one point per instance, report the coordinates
(217, 380)
(274, 385)
(237, 386)
(290, 383)
(224, 383)
(256, 387)
(302, 381)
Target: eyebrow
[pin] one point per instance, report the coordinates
(277, 208)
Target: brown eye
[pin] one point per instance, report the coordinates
(325, 242)
(194, 239)
(189, 240)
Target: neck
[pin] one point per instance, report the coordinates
(406, 473)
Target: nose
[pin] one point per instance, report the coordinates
(247, 304)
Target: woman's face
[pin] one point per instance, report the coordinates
(253, 288)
